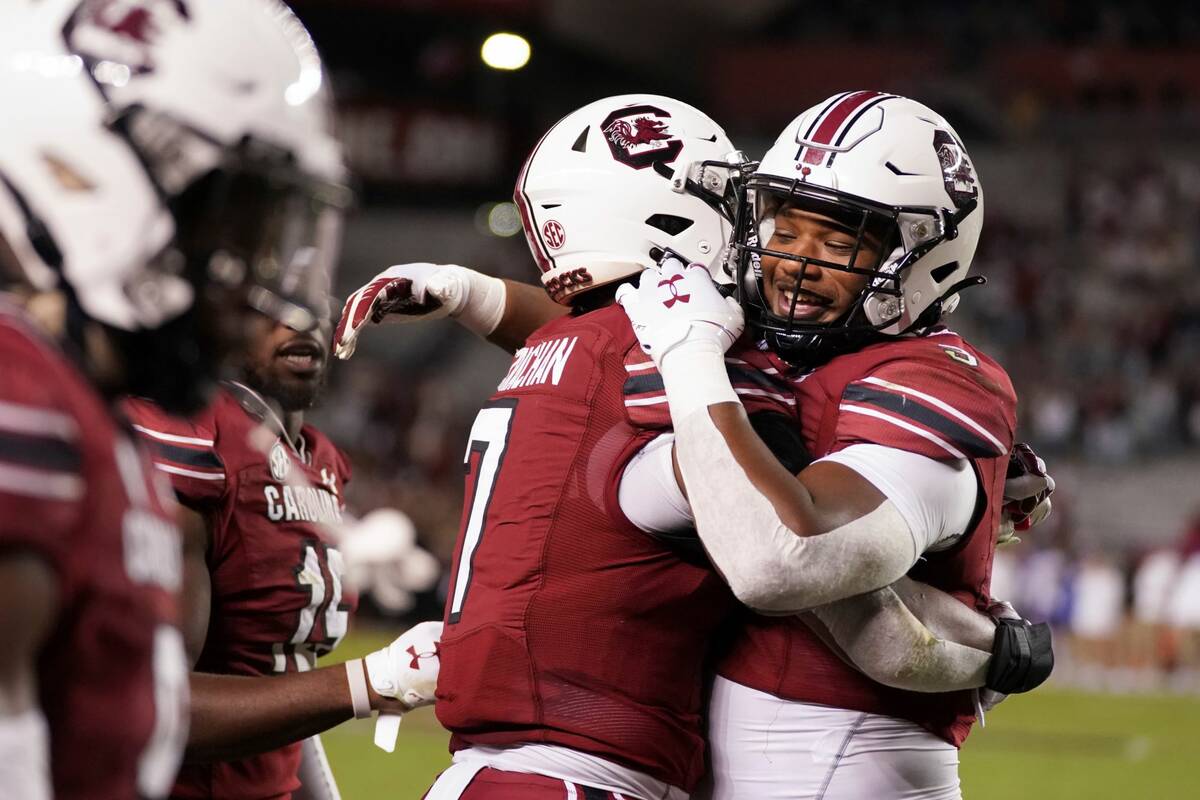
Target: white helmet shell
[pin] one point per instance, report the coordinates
(619, 178)
(901, 156)
(226, 71)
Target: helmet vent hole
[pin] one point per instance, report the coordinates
(580, 145)
(669, 223)
(940, 274)
(548, 206)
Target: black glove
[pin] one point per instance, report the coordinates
(1022, 656)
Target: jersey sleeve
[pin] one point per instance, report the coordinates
(42, 458)
(942, 411)
(184, 450)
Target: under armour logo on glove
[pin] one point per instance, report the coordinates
(416, 657)
(675, 295)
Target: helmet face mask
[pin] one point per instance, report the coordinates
(891, 175)
(171, 165)
(617, 183)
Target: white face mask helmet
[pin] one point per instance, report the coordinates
(613, 186)
(155, 149)
(889, 169)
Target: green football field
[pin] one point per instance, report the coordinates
(1051, 744)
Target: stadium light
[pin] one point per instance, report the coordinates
(505, 51)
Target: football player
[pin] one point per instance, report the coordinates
(263, 492)
(118, 190)
(587, 683)
(268, 591)
(854, 240)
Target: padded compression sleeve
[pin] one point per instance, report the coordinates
(882, 638)
(768, 567)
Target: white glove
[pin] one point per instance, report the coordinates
(381, 556)
(420, 291)
(677, 305)
(686, 326)
(405, 670)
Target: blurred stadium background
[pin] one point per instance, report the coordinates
(1083, 120)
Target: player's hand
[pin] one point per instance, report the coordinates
(1027, 490)
(381, 556)
(407, 669)
(676, 305)
(402, 293)
(1022, 655)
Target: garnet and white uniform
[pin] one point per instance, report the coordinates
(934, 396)
(277, 595)
(575, 644)
(76, 488)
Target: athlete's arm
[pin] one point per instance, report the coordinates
(197, 584)
(827, 515)
(909, 635)
(526, 308)
(236, 716)
(28, 610)
(502, 311)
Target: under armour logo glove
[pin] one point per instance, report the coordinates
(677, 304)
(405, 670)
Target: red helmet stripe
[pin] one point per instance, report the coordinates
(833, 120)
(541, 255)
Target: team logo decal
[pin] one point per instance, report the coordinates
(280, 462)
(957, 172)
(124, 31)
(640, 136)
(960, 355)
(675, 297)
(554, 234)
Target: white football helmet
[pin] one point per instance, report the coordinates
(613, 185)
(153, 148)
(883, 165)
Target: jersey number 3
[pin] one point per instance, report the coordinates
(485, 456)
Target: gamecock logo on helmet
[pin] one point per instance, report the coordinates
(124, 31)
(640, 136)
(957, 172)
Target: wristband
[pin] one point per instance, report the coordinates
(476, 300)
(359, 697)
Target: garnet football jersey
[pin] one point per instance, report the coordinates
(565, 624)
(76, 488)
(277, 595)
(935, 396)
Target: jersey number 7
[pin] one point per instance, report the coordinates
(484, 457)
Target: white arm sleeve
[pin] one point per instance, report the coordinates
(769, 567)
(25, 756)
(887, 643)
(936, 498)
(649, 495)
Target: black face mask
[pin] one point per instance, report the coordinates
(178, 364)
